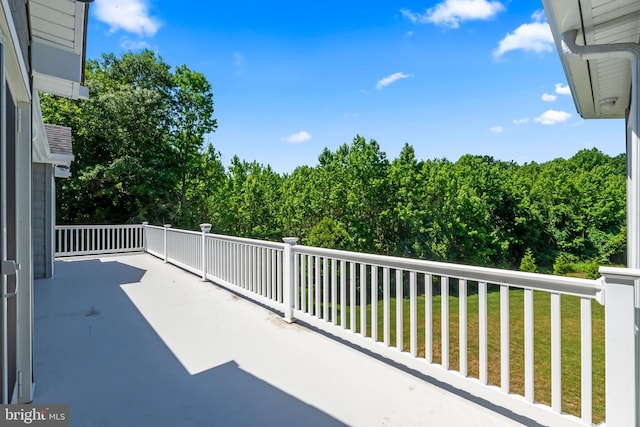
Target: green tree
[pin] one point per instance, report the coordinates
(192, 118)
(134, 139)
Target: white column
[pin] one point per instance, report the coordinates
(620, 335)
(288, 278)
(166, 227)
(633, 203)
(144, 236)
(206, 228)
(24, 257)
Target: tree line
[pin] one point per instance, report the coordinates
(140, 156)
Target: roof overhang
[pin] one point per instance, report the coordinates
(601, 88)
(58, 46)
(44, 149)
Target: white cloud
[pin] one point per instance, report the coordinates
(390, 79)
(538, 16)
(533, 37)
(297, 138)
(134, 44)
(562, 90)
(546, 97)
(450, 13)
(349, 115)
(496, 130)
(522, 121)
(552, 117)
(131, 16)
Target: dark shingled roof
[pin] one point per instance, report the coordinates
(59, 138)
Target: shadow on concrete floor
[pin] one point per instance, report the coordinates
(97, 353)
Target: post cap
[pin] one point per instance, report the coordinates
(205, 228)
(167, 226)
(290, 240)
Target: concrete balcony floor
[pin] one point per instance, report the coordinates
(130, 341)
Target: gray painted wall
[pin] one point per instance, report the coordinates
(42, 220)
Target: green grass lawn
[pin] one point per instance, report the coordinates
(571, 358)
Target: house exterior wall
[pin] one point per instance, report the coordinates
(42, 217)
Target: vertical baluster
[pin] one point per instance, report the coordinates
(529, 378)
(352, 296)
(343, 293)
(274, 275)
(298, 260)
(262, 273)
(224, 247)
(462, 324)
(239, 264)
(385, 307)
(247, 267)
(254, 269)
(413, 310)
(374, 302)
(428, 318)
(279, 277)
(556, 358)
(270, 280)
(444, 305)
(363, 299)
(587, 363)
(325, 289)
(318, 291)
(303, 283)
(234, 263)
(399, 307)
(310, 284)
(482, 338)
(334, 291)
(504, 338)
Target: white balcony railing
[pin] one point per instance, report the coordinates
(71, 240)
(362, 298)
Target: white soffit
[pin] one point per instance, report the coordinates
(598, 22)
(58, 37)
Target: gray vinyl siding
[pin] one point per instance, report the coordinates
(41, 220)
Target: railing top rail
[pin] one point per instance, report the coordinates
(263, 243)
(544, 282)
(98, 226)
(156, 227)
(181, 231)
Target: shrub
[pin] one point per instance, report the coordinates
(327, 233)
(528, 262)
(562, 264)
(591, 270)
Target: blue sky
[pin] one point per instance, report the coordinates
(290, 78)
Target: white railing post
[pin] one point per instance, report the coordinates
(166, 227)
(144, 236)
(206, 228)
(288, 278)
(621, 360)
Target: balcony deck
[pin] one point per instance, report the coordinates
(128, 340)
